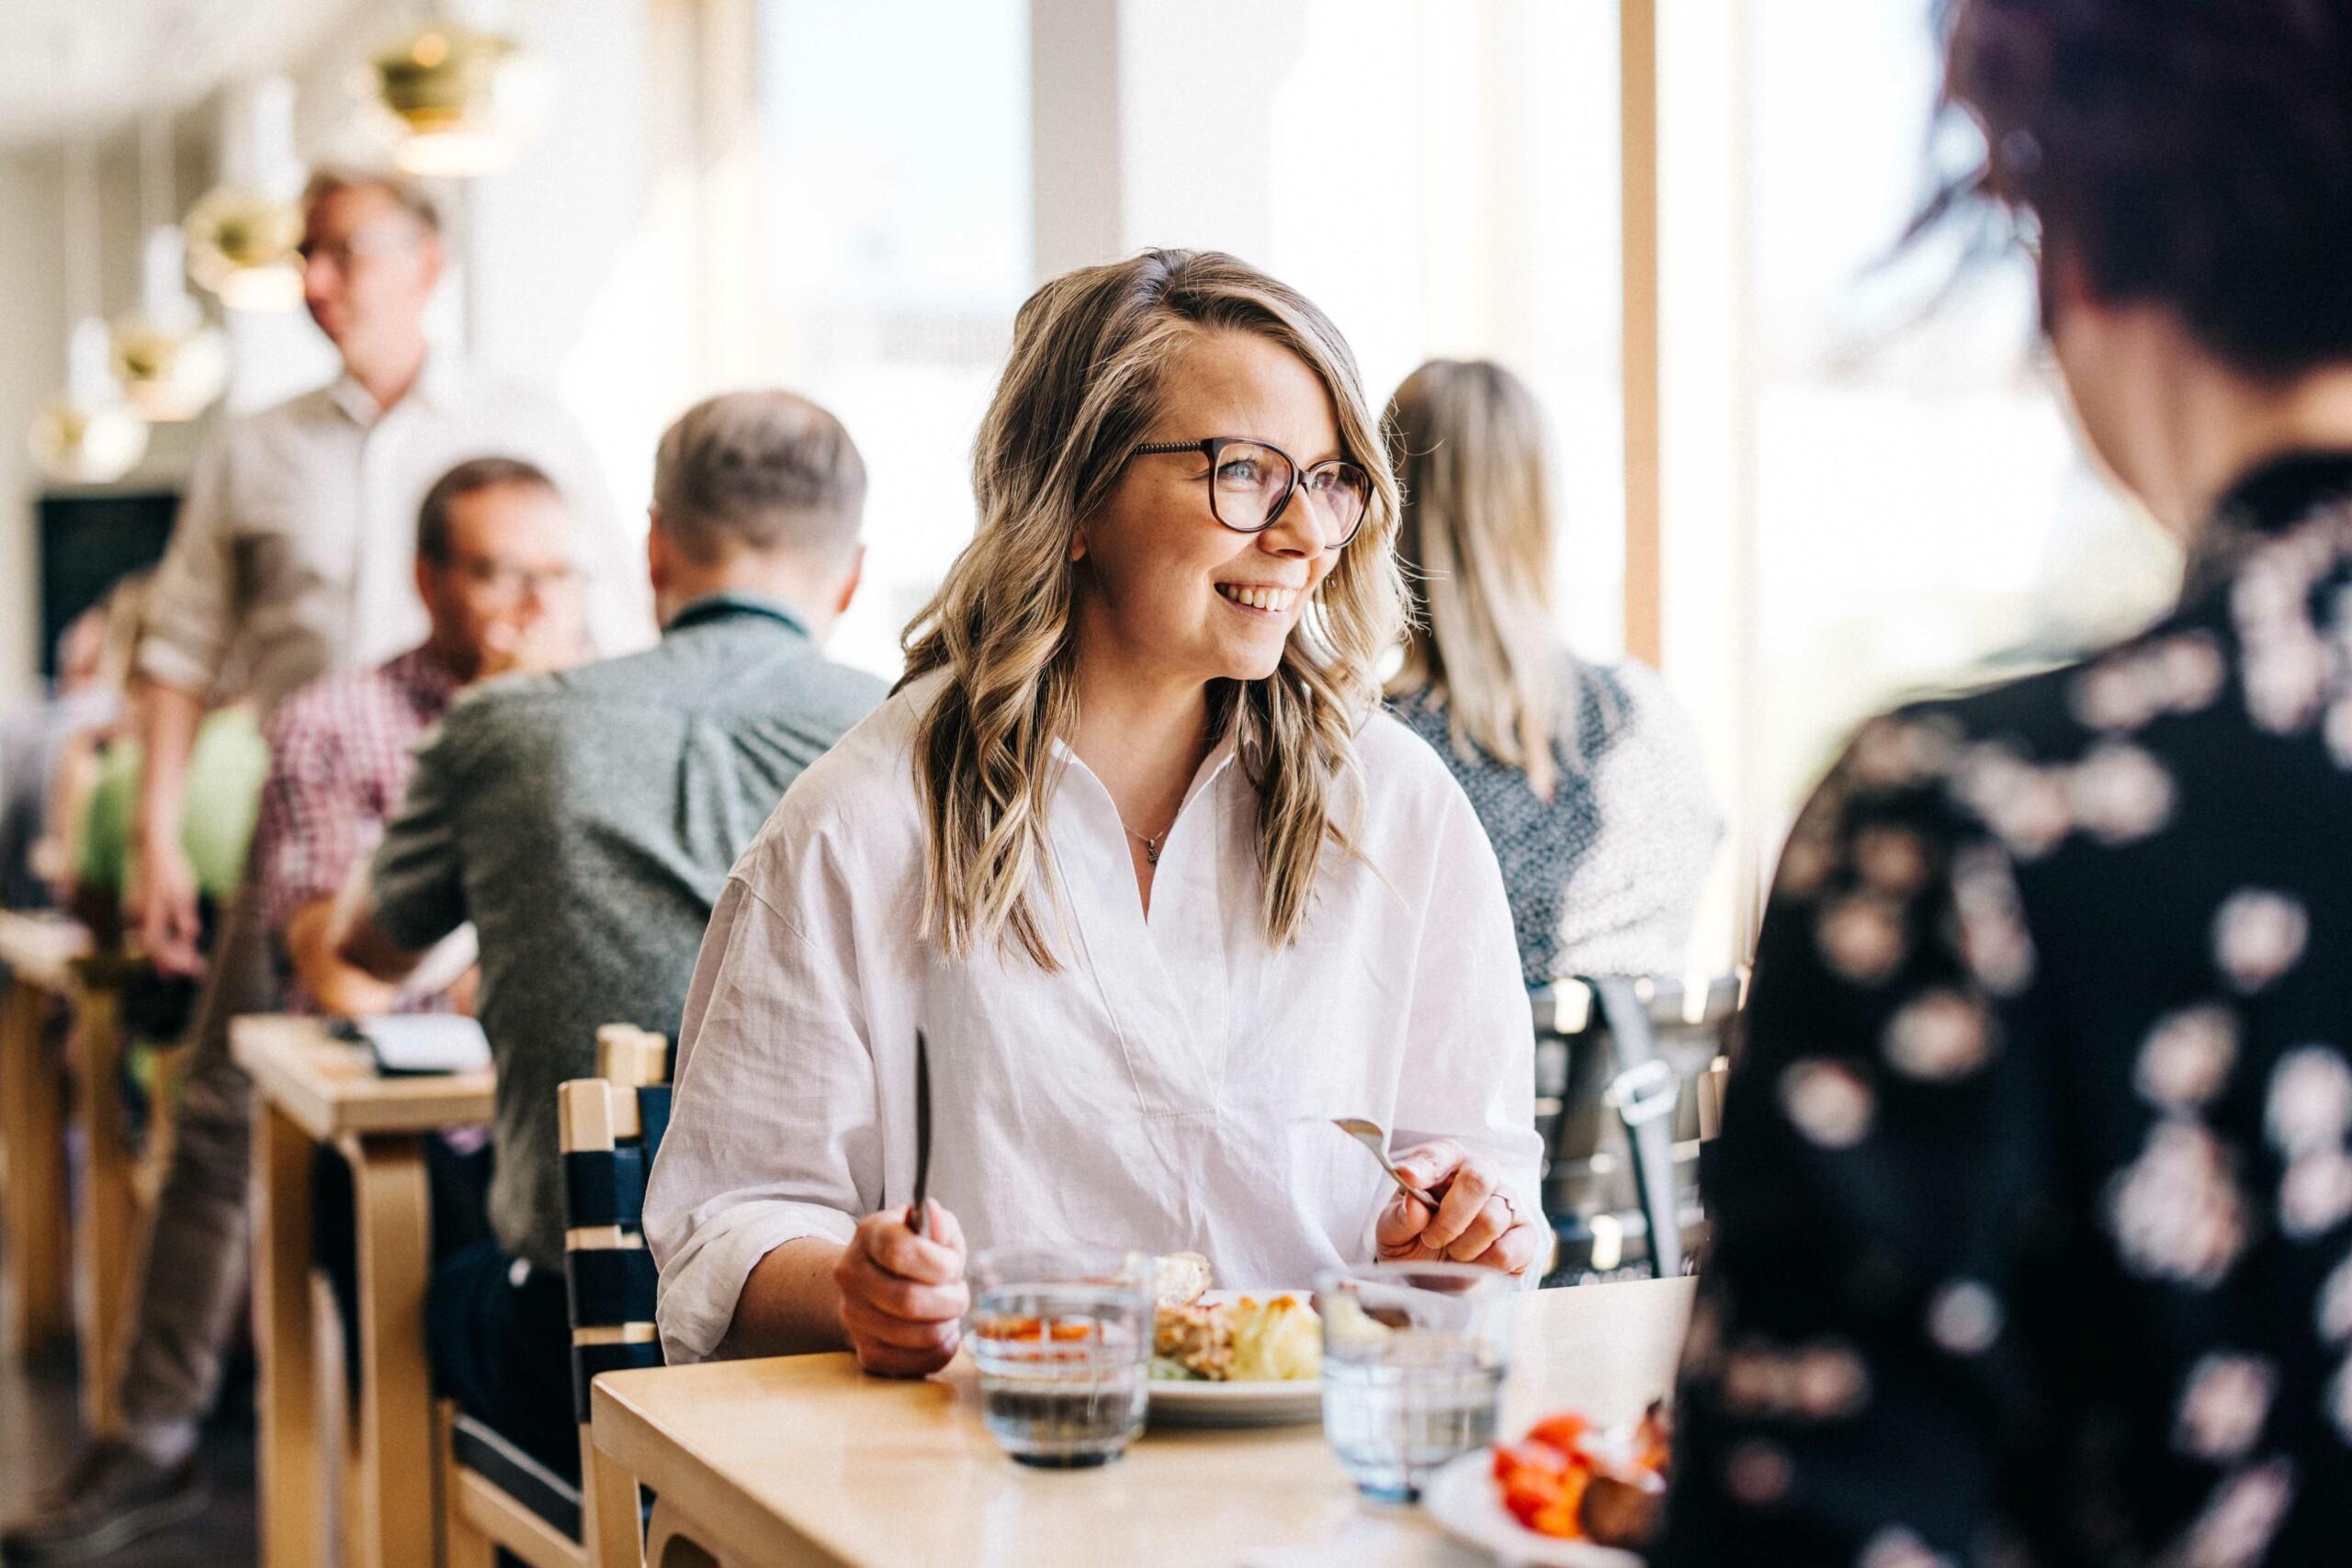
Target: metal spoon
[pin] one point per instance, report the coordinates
(1375, 1136)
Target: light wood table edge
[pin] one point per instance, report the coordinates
(692, 1501)
(297, 1108)
(289, 1489)
(261, 1044)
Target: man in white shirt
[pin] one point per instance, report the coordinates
(293, 559)
(292, 556)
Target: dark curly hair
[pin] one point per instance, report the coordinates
(2195, 154)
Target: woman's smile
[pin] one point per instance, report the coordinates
(1258, 600)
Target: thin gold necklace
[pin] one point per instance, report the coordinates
(1152, 845)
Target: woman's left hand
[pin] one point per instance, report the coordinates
(1473, 1220)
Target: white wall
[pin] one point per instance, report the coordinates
(29, 281)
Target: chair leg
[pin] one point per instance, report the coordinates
(463, 1544)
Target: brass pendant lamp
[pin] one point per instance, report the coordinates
(461, 97)
(242, 232)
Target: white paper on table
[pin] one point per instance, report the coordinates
(428, 1043)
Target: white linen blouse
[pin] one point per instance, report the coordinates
(1167, 1089)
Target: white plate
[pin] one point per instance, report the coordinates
(1181, 1404)
(1286, 1403)
(1466, 1503)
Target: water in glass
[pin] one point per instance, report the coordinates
(1062, 1366)
(1413, 1368)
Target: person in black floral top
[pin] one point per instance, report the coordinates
(2033, 1210)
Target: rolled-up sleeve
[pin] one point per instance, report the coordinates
(192, 620)
(775, 1135)
(1470, 1073)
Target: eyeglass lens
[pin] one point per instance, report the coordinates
(1251, 480)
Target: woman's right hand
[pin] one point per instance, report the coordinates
(903, 1296)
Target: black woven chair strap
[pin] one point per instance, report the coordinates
(589, 1361)
(603, 1187)
(653, 1117)
(609, 1286)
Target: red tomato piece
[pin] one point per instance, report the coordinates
(1564, 1432)
(1540, 1457)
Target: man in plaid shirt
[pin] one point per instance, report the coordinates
(493, 555)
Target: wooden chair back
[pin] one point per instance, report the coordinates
(609, 1128)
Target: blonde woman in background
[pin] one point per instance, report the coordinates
(1135, 848)
(1588, 777)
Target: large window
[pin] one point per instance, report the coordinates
(1923, 509)
(895, 143)
(1440, 177)
(1862, 495)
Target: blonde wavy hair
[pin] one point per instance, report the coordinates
(1090, 355)
(1467, 437)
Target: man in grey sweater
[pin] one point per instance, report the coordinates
(584, 822)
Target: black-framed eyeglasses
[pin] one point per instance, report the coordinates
(1251, 481)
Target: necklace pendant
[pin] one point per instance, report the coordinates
(1151, 851)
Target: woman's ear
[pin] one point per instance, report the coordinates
(1078, 543)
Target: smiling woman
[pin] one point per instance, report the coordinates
(1135, 848)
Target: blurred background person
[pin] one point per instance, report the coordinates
(35, 738)
(293, 556)
(495, 549)
(1587, 777)
(293, 551)
(2033, 1203)
(494, 543)
(585, 822)
(89, 842)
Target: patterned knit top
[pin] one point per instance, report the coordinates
(1605, 877)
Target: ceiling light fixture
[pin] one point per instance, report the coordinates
(242, 233)
(462, 98)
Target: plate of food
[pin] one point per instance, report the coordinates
(1569, 1495)
(1232, 1357)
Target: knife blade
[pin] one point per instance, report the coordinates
(923, 1133)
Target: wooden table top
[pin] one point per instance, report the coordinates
(330, 1087)
(42, 949)
(802, 1458)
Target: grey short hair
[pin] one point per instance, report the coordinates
(768, 470)
(406, 194)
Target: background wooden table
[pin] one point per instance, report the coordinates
(802, 1461)
(51, 966)
(37, 952)
(311, 1089)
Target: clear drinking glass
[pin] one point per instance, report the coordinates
(1414, 1356)
(1063, 1342)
